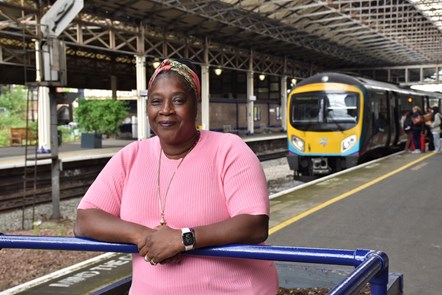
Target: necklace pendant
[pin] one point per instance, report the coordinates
(162, 221)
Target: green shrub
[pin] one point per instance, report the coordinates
(100, 116)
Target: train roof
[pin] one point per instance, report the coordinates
(361, 82)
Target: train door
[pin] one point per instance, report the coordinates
(380, 119)
(394, 119)
(422, 103)
(404, 105)
(427, 104)
(378, 124)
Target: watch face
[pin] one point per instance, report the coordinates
(187, 239)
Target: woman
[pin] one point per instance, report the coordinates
(435, 128)
(417, 128)
(406, 126)
(179, 190)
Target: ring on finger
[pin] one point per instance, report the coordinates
(152, 262)
(146, 258)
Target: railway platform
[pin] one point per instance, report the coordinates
(391, 204)
(14, 155)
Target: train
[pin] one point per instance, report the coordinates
(337, 120)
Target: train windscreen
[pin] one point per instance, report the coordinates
(324, 111)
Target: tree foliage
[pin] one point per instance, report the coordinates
(100, 116)
(13, 99)
(13, 104)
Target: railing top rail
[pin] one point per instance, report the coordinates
(262, 252)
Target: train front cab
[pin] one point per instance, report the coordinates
(324, 128)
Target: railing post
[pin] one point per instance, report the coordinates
(378, 284)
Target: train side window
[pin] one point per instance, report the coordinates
(380, 111)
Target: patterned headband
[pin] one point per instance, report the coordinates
(190, 76)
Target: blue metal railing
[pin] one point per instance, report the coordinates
(370, 266)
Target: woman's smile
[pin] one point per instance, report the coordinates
(166, 124)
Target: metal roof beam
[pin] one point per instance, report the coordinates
(261, 26)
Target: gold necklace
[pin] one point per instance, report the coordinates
(160, 202)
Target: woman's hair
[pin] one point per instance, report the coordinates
(416, 109)
(184, 69)
(435, 109)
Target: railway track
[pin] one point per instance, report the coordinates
(18, 191)
(272, 155)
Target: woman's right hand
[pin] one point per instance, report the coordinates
(162, 245)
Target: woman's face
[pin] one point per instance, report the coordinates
(171, 109)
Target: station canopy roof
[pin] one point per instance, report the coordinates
(328, 34)
(331, 33)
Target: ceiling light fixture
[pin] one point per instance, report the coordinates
(155, 64)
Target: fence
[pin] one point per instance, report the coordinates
(370, 265)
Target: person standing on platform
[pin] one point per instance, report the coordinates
(180, 190)
(428, 116)
(407, 127)
(435, 129)
(417, 128)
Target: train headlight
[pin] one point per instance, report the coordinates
(348, 143)
(298, 143)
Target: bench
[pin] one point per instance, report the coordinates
(19, 136)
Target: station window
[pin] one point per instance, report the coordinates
(241, 83)
(274, 87)
(257, 113)
(278, 113)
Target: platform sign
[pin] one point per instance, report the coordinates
(59, 16)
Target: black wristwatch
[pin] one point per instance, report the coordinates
(188, 235)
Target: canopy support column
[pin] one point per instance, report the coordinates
(283, 102)
(250, 98)
(143, 128)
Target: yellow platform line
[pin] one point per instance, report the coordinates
(344, 195)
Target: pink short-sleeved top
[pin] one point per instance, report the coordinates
(220, 178)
